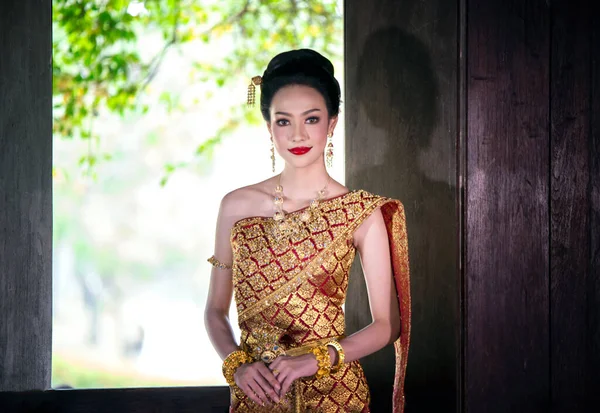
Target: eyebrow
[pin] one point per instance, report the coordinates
(303, 113)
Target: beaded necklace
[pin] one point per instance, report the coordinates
(286, 226)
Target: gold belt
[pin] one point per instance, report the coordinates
(307, 348)
(270, 352)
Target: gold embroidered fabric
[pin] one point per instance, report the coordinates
(289, 294)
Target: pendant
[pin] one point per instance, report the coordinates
(306, 215)
(286, 226)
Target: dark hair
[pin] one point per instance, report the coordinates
(300, 67)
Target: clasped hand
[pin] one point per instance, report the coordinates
(265, 384)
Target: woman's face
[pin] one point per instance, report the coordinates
(299, 125)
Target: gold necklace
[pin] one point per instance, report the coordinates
(284, 226)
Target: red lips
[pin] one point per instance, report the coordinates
(300, 150)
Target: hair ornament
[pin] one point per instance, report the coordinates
(256, 81)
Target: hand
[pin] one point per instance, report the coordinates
(287, 369)
(258, 383)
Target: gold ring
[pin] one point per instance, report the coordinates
(275, 371)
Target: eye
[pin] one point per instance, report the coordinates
(312, 119)
(282, 122)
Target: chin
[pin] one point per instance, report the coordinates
(302, 163)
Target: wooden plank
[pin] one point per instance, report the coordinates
(155, 400)
(401, 133)
(570, 202)
(461, 160)
(25, 194)
(593, 280)
(507, 267)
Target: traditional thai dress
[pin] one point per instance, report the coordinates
(289, 291)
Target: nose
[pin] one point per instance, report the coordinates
(299, 133)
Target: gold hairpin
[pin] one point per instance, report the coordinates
(256, 80)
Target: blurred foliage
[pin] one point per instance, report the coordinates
(79, 375)
(97, 64)
(106, 58)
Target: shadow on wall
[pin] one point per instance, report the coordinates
(397, 91)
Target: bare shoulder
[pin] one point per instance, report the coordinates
(337, 189)
(248, 201)
(371, 225)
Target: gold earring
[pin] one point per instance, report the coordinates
(329, 151)
(272, 155)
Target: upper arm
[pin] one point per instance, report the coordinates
(221, 284)
(372, 242)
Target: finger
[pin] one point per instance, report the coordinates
(281, 375)
(268, 388)
(287, 383)
(277, 362)
(250, 393)
(277, 366)
(257, 394)
(275, 369)
(270, 377)
(274, 365)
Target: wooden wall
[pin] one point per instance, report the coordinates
(574, 269)
(401, 128)
(592, 282)
(482, 116)
(507, 210)
(531, 211)
(25, 194)
(526, 141)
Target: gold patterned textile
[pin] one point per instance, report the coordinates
(289, 294)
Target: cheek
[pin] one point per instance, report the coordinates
(318, 133)
(279, 137)
(276, 133)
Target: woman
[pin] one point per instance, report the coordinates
(284, 248)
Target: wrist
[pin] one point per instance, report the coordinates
(321, 354)
(232, 362)
(333, 355)
(338, 359)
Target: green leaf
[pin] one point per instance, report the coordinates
(98, 66)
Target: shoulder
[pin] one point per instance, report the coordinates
(376, 210)
(239, 195)
(248, 200)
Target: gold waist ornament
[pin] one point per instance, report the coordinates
(268, 352)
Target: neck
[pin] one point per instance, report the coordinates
(304, 183)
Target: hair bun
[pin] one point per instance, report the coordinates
(298, 60)
(298, 67)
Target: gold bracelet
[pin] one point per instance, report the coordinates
(216, 263)
(340, 352)
(323, 361)
(232, 362)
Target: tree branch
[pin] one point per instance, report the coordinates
(157, 60)
(294, 6)
(234, 18)
(155, 63)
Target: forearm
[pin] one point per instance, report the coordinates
(220, 332)
(366, 341)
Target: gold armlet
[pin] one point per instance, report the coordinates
(323, 361)
(216, 263)
(340, 352)
(232, 362)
